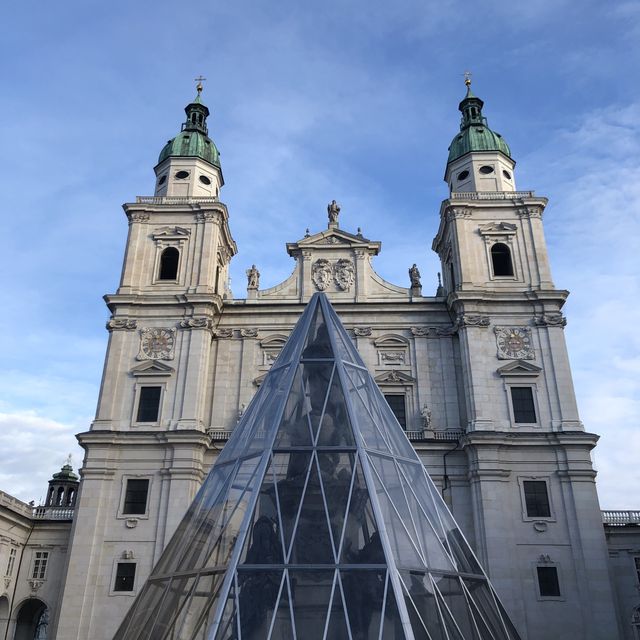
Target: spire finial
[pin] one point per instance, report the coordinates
(69, 457)
(199, 80)
(467, 79)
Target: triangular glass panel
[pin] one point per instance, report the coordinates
(364, 592)
(281, 624)
(258, 592)
(310, 594)
(311, 539)
(336, 430)
(307, 516)
(337, 626)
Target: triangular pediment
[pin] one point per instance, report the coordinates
(317, 504)
(497, 227)
(170, 232)
(334, 238)
(152, 368)
(394, 377)
(519, 368)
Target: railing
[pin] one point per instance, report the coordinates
(218, 435)
(176, 199)
(491, 195)
(53, 513)
(621, 518)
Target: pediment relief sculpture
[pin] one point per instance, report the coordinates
(394, 377)
(165, 233)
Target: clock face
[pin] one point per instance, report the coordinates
(157, 344)
(514, 342)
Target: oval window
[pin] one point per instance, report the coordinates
(181, 175)
(506, 174)
(463, 175)
(205, 180)
(162, 180)
(486, 169)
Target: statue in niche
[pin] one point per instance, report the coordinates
(333, 209)
(253, 277)
(414, 276)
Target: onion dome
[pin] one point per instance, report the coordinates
(193, 141)
(475, 134)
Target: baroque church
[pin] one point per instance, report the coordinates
(477, 375)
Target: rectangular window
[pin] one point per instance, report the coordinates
(12, 561)
(548, 582)
(536, 498)
(149, 404)
(397, 403)
(40, 565)
(125, 576)
(135, 497)
(524, 410)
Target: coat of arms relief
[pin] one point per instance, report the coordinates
(342, 272)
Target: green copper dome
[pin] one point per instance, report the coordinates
(475, 134)
(193, 141)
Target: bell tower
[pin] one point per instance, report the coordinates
(518, 407)
(147, 450)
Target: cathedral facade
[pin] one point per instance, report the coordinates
(477, 373)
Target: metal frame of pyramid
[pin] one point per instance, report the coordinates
(318, 521)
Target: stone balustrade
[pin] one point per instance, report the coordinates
(621, 518)
(491, 195)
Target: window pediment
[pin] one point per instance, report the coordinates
(394, 377)
(152, 368)
(519, 368)
(171, 233)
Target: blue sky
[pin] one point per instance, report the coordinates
(311, 101)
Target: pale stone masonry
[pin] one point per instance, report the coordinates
(480, 367)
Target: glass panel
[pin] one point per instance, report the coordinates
(485, 610)
(423, 609)
(395, 513)
(258, 594)
(346, 349)
(290, 470)
(228, 627)
(336, 472)
(310, 593)
(282, 627)
(172, 605)
(400, 445)
(337, 622)
(146, 604)
(364, 596)
(316, 377)
(312, 541)
(361, 539)
(317, 344)
(391, 625)
(200, 607)
(365, 422)
(264, 543)
(294, 429)
(336, 428)
(451, 591)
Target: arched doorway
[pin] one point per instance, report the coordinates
(4, 615)
(32, 622)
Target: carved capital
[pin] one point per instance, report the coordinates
(306, 254)
(362, 332)
(249, 333)
(458, 212)
(529, 212)
(223, 333)
(208, 216)
(550, 320)
(473, 320)
(138, 217)
(196, 323)
(126, 324)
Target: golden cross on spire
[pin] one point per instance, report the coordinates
(467, 78)
(199, 80)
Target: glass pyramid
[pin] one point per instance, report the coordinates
(318, 521)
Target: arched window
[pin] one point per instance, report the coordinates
(70, 496)
(169, 264)
(50, 498)
(60, 497)
(501, 260)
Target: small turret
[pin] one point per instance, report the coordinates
(63, 488)
(479, 158)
